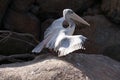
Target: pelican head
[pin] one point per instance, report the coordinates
(68, 13)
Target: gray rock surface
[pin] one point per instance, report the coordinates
(75, 66)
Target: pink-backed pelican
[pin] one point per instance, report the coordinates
(61, 39)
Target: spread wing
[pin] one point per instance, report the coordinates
(50, 36)
(70, 44)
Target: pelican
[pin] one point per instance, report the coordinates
(61, 39)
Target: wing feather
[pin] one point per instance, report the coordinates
(70, 44)
(50, 36)
(38, 48)
(42, 44)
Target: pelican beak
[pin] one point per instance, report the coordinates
(79, 19)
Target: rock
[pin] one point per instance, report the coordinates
(104, 32)
(113, 51)
(3, 8)
(22, 22)
(72, 67)
(112, 9)
(94, 10)
(16, 43)
(56, 6)
(22, 5)
(16, 58)
(88, 32)
(102, 35)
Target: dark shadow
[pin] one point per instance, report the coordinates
(113, 52)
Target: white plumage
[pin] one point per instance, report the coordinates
(61, 39)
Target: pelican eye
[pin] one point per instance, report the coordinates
(70, 12)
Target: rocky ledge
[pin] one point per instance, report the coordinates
(75, 66)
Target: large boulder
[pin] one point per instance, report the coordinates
(103, 34)
(112, 9)
(22, 22)
(72, 67)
